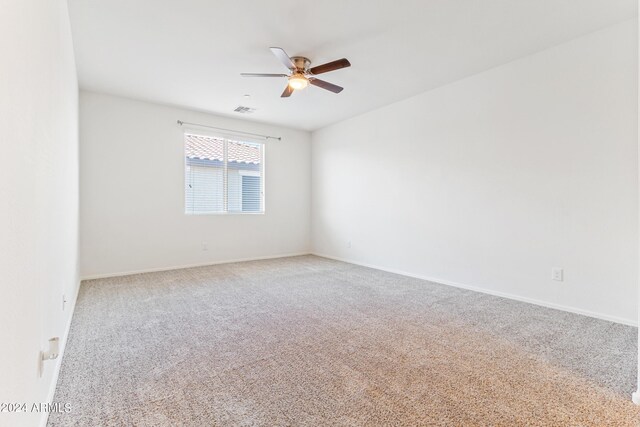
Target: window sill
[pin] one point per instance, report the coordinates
(221, 213)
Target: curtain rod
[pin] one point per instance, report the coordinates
(279, 138)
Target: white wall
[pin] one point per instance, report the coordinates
(636, 395)
(38, 196)
(132, 192)
(493, 180)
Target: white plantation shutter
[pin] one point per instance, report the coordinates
(223, 175)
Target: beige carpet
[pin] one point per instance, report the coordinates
(306, 341)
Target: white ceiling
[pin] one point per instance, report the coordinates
(190, 53)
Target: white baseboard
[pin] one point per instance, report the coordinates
(180, 267)
(547, 304)
(56, 372)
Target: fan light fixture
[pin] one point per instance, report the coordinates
(298, 81)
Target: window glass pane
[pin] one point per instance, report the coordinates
(222, 175)
(204, 181)
(244, 176)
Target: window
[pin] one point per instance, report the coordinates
(223, 175)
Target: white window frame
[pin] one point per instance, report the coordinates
(226, 137)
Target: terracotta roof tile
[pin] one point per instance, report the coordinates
(211, 148)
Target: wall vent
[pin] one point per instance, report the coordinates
(244, 110)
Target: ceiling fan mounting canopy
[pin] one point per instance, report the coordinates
(301, 75)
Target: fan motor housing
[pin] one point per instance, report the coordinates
(301, 63)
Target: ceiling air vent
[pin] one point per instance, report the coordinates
(244, 110)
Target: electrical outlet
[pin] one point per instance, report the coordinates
(557, 274)
(349, 244)
(64, 302)
(205, 246)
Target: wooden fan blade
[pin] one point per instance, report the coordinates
(283, 57)
(326, 85)
(330, 66)
(262, 75)
(287, 92)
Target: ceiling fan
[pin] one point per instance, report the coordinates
(300, 74)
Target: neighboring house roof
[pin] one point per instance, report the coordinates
(211, 148)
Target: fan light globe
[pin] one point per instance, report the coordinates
(298, 82)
